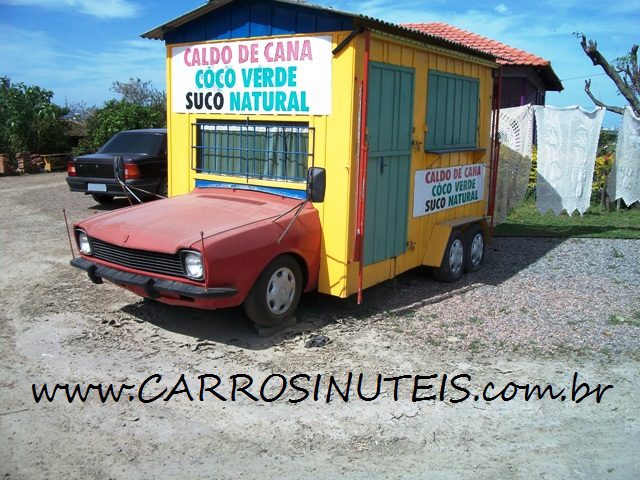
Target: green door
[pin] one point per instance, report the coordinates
(389, 127)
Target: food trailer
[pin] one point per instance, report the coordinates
(308, 148)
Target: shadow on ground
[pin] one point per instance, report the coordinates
(404, 294)
(534, 230)
(115, 204)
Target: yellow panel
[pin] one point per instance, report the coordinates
(336, 149)
(428, 235)
(395, 54)
(438, 239)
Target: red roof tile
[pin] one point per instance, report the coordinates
(507, 55)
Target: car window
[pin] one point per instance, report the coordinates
(130, 142)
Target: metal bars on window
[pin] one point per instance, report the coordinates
(275, 151)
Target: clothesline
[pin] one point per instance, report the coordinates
(567, 139)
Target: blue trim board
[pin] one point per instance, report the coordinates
(258, 18)
(284, 192)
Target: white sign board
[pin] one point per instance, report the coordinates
(272, 76)
(442, 188)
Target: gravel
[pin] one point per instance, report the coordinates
(541, 310)
(533, 295)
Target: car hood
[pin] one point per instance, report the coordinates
(175, 223)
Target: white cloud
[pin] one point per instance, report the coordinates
(87, 75)
(501, 8)
(105, 9)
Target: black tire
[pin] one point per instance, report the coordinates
(274, 297)
(475, 248)
(163, 188)
(102, 199)
(453, 260)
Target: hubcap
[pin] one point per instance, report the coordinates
(281, 290)
(456, 254)
(477, 246)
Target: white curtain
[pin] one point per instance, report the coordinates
(567, 143)
(515, 129)
(624, 180)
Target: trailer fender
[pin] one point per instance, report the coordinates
(437, 244)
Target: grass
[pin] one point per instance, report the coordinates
(616, 319)
(475, 346)
(617, 254)
(525, 220)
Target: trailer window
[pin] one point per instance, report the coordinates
(278, 151)
(452, 112)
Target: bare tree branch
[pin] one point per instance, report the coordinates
(587, 87)
(635, 74)
(629, 92)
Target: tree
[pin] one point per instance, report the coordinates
(30, 120)
(140, 106)
(623, 72)
(139, 92)
(80, 111)
(142, 93)
(115, 116)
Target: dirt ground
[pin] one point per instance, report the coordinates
(539, 312)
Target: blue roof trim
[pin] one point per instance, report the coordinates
(284, 192)
(234, 19)
(257, 18)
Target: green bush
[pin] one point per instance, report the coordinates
(30, 120)
(114, 117)
(601, 172)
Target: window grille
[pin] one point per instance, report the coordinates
(276, 151)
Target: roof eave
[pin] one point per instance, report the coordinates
(391, 28)
(551, 79)
(158, 32)
(359, 20)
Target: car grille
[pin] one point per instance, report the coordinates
(165, 263)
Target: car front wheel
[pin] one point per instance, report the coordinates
(274, 297)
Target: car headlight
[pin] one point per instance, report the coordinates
(193, 266)
(83, 243)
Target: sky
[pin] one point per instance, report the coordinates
(78, 48)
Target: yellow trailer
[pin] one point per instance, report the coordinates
(424, 104)
(263, 93)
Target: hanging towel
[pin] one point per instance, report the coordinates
(567, 143)
(516, 138)
(624, 179)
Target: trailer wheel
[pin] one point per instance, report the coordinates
(475, 248)
(275, 295)
(453, 261)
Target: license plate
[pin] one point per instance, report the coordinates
(96, 187)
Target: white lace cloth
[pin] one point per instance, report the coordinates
(516, 134)
(516, 129)
(567, 143)
(624, 179)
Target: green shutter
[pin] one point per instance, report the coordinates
(389, 127)
(452, 112)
